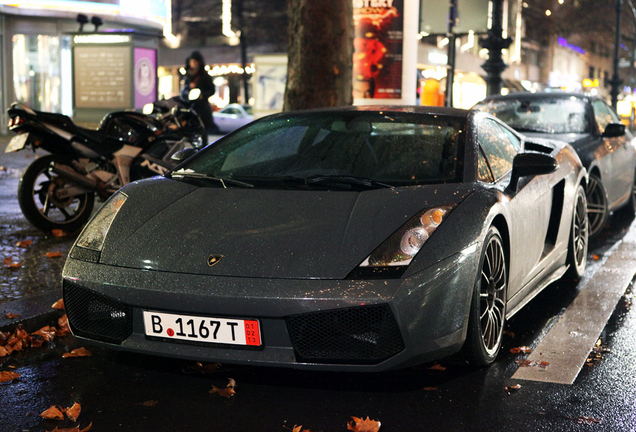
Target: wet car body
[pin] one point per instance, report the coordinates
(301, 259)
(593, 128)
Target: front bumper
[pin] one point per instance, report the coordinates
(368, 325)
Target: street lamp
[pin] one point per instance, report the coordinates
(495, 43)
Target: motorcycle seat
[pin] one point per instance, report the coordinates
(96, 141)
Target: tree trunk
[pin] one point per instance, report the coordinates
(320, 56)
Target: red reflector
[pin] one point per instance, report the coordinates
(15, 121)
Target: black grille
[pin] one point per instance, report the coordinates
(362, 335)
(96, 316)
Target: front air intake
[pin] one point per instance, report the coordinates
(96, 316)
(359, 335)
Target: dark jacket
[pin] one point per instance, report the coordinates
(203, 81)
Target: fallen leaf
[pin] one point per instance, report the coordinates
(509, 333)
(532, 363)
(47, 333)
(58, 233)
(202, 368)
(56, 254)
(513, 388)
(150, 403)
(522, 349)
(64, 328)
(596, 257)
(227, 392)
(366, 425)
(437, 367)
(586, 420)
(74, 429)
(6, 376)
(24, 243)
(430, 389)
(78, 352)
(58, 304)
(5, 350)
(11, 263)
(10, 315)
(73, 412)
(52, 413)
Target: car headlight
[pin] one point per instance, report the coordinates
(391, 258)
(91, 239)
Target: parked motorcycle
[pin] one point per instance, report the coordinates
(58, 191)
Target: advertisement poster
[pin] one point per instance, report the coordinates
(378, 47)
(145, 76)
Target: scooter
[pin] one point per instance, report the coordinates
(58, 191)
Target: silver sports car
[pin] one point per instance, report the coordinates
(361, 238)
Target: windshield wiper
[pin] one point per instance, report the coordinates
(222, 180)
(346, 180)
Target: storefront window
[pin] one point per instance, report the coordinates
(37, 71)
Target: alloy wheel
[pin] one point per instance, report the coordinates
(492, 295)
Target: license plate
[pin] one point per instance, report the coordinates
(202, 329)
(17, 143)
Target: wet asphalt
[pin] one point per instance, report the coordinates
(127, 392)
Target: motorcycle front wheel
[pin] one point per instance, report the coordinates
(39, 201)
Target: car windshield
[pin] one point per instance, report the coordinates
(360, 149)
(549, 115)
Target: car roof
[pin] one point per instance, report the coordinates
(540, 95)
(410, 109)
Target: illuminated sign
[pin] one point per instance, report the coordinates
(590, 83)
(101, 39)
(565, 44)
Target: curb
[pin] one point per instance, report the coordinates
(34, 312)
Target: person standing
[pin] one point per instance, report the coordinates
(197, 77)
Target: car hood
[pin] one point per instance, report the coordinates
(570, 138)
(172, 226)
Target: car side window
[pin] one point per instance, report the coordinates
(497, 146)
(483, 170)
(604, 115)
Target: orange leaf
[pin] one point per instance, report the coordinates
(58, 233)
(10, 315)
(47, 333)
(10, 263)
(52, 413)
(523, 349)
(588, 420)
(56, 254)
(58, 304)
(513, 388)
(4, 351)
(24, 243)
(6, 376)
(437, 367)
(73, 412)
(150, 403)
(64, 328)
(79, 352)
(227, 392)
(531, 363)
(366, 425)
(596, 257)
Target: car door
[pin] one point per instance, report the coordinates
(617, 172)
(529, 206)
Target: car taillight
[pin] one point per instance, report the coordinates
(15, 121)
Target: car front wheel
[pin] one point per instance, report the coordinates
(488, 307)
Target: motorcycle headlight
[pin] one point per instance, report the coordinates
(91, 239)
(393, 256)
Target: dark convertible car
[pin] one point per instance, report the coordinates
(593, 128)
(346, 239)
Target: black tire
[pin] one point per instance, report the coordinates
(36, 196)
(596, 205)
(579, 235)
(488, 306)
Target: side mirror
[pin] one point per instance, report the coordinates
(148, 108)
(194, 94)
(183, 154)
(531, 164)
(614, 130)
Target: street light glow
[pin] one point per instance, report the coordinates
(548, 12)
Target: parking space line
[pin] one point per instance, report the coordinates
(569, 342)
